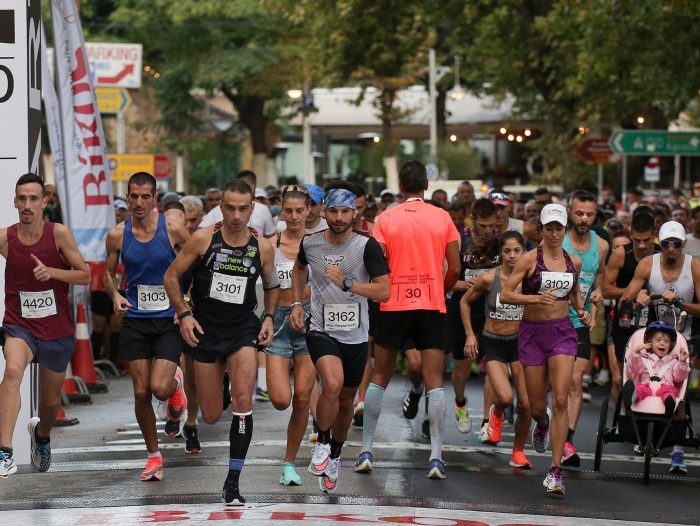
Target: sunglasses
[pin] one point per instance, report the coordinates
(667, 243)
(498, 196)
(294, 188)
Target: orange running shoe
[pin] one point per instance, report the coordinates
(176, 408)
(519, 460)
(495, 428)
(153, 469)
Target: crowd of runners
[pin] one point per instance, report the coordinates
(541, 295)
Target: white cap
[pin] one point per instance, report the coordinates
(672, 229)
(554, 212)
(260, 192)
(385, 191)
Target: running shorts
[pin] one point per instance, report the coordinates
(52, 354)
(220, 341)
(150, 338)
(583, 351)
(352, 355)
(288, 342)
(425, 327)
(499, 347)
(538, 341)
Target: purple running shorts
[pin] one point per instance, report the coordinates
(538, 341)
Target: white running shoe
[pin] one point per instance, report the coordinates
(328, 482)
(320, 458)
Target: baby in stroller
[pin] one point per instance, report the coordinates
(654, 370)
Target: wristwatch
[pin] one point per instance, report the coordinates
(347, 284)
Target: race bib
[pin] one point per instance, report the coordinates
(472, 273)
(284, 272)
(561, 282)
(37, 304)
(152, 297)
(341, 316)
(230, 289)
(506, 311)
(585, 283)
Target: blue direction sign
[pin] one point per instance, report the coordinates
(655, 142)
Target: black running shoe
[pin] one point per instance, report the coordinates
(425, 428)
(172, 428)
(192, 444)
(410, 404)
(231, 495)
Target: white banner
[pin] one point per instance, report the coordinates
(87, 209)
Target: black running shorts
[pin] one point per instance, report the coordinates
(218, 342)
(427, 329)
(150, 338)
(499, 348)
(352, 355)
(583, 351)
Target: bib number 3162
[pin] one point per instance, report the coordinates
(37, 304)
(341, 316)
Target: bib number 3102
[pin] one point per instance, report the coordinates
(561, 282)
(341, 316)
(37, 304)
(152, 297)
(229, 289)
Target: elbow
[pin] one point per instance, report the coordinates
(84, 279)
(386, 292)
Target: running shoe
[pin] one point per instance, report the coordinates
(510, 414)
(464, 423)
(153, 469)
(586, 395)
(494, 429)
(41, 453)
(261, 395)
(176, 408)
(425, 429)
(410, 404)
(587, 379)
(364, 462)
(357, 417)
(192, 444)
(570, 457)
(678, 464)
(602, 378)
(554, 482)
(540, 435)
(320, 456)
(519, 460)
(7, 464)
(161, 410)
(231, 495)
(289, 476)
(436, 469)
(483, 437)
(328, 481)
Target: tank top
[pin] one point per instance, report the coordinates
(495, 309)
(472, 265)
(41, 307)
(624, 277)
(223, 281)
(542, 279)
(683, 287)
(145, 264)
(590, 261)
(284, 267)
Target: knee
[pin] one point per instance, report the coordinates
(13, 374)
(560, 402)
(142, 396)
(505, 399)
(345, 404)
(301, 401)
(210, 416)
(162, 391)
(241, 402)
(332, 387)
(280, 402)
(538, 409)
(576, 383)
(523, 408)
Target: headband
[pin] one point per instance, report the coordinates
(339, 197)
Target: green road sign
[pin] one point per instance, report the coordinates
(655, 142)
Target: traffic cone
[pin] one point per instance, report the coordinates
(63, 421)
(83, 365)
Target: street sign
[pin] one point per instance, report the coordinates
(115, 65)
(652, 170)
(113, 100)
(655, 142)
(162, 167)
(124, 165)
(595, 150)
(432, 172)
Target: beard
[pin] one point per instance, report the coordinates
(339, 229)
(582, 229)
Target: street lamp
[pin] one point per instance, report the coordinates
(307, 108)
(457, 92)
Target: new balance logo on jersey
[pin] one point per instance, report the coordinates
(334, 260)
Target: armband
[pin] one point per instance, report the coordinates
(184, 315)
(269, 315)
(270, 281)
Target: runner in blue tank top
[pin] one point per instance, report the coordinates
(592, 249)
(149, 341)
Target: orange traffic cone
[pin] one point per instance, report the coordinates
(63, 421)
(82, 363)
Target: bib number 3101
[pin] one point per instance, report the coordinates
(341, 316)
(37, 304)
(230, 289)
(152, 297)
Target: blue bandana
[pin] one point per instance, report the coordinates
(340, 197)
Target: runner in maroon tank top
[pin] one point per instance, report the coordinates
(42, 260)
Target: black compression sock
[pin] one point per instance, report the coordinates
(324, 437)
(336, 448)
(570, 436)
(462, 403)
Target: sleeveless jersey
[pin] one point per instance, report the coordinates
(624, 278)
(41, 307)
(542, 279)
(495, 309)
(683, 287)
(223, 282)
(145, 264)
(590, 261)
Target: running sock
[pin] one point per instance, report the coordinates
(417, 390)
(262, 378)
(373, 407)
(677, 449)
(436, 412)
(324, 437)
(154, 455)
(336, 448)
(570, 436)
(315, 425)
(7, 450)
(239, 437)
(484, 422)
(96, 342)
(462, 403)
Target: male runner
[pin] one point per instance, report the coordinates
(222, 327)
(581, 241)
(347, 268)
(149, 340)
(42, 260)
(416, 237)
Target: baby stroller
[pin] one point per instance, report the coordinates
(647, 423)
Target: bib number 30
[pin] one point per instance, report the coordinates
(37, 304)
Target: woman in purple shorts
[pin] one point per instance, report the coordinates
(547, 340)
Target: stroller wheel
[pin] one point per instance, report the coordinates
(601, 434)
(648, 451)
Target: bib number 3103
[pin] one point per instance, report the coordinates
(341, 316)
(230, 289)
(37, 304)
(152, 297)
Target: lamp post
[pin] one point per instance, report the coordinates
(307, 108)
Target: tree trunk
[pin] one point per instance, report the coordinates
(387, 115)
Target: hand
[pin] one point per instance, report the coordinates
(334, 274)
(187, 327)
(121, 304)
(643, 298)
(667, 296)
(591, 327)
(297, 318)
(547, 298)
(597, 297)
(683, 353)
(41, 271)
(267, 332)
(470, 347)
(584, 316)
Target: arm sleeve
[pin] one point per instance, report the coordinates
(301, 256)
(374, 259)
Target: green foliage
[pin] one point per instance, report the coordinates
(460, 161)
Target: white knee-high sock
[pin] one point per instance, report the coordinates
(436, 413)
(373, 407)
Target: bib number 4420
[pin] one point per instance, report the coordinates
(37, 304)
